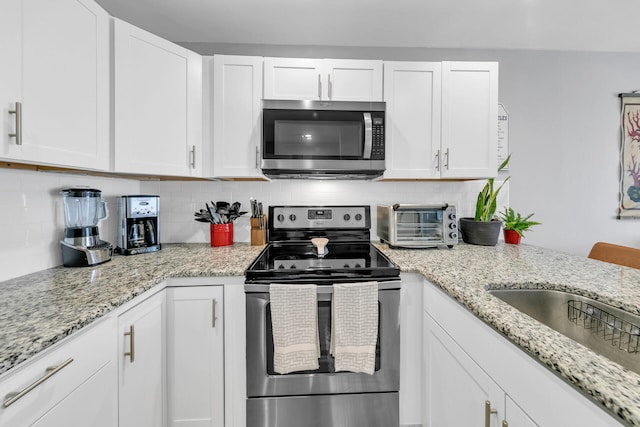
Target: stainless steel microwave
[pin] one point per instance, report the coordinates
(417, 226)
(323, 139)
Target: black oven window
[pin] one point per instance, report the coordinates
(324, 332)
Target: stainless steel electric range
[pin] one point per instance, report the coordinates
(322, 397)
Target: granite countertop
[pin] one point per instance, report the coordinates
(40, 309)
(467, 271)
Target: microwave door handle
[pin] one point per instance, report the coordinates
(368, 136)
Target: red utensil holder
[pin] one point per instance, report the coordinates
(222, 234)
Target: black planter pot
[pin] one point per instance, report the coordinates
(483, 233)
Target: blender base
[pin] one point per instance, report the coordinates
(80, 256)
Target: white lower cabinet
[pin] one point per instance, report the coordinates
(71, 384)
(141, 347)
(467, 364)
(458, 391)
(195, 356)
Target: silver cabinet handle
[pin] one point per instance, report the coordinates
(437, 157)
(488, 412)
(329, 86)
(192, 157)
(18, 131)
(505, 423)
(131, 352)
(49, 372)
(257, 158)
(213, 313)
(446, 156)
(319, 87)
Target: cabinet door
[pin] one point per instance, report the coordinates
(92, 404)
(412, 91)
(158, 104)
(237, 112)
(456, 389)
(141, 364)
(195, 356)
(64, 82)
(293, 78)
(55, 382)
(515, 416)
(10, 74)
(353, 80)
(469, 119)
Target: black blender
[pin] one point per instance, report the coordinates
(81, 247)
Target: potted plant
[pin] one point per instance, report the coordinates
(515, 225)
(484, 228)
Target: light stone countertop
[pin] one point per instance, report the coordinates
(40, 309)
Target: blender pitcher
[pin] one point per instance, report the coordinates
(83, 208)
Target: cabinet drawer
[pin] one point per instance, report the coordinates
(79, 357)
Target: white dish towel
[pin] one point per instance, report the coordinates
(354, 326)
(294, 322)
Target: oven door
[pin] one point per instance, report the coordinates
(262, 381)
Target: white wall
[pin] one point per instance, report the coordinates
(32, 221)
(32, 218)
(180, 199)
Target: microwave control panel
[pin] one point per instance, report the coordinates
(377, 140)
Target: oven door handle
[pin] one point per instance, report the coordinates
(368, 136)
(322, 289)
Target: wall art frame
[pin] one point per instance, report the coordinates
(629, 155)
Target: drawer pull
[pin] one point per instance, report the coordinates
(213, 313)
(18, 131)
(50, 371)
(131, 352)
(487, 413)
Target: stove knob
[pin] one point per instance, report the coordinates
(280, 217)
(452, 216)
(347, 217)
(281, 267)
(357, 265)
(358, 217)
(453, 235)
(292, 217)
(293, 267)
(453, 226)
(345, 266)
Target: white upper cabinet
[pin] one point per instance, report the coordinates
(236, 127)
(412, 91)
(158, 105)
(323, 79)
(469, 119)
(56, 65)
(441, 119)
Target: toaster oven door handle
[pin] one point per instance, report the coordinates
(368, 135)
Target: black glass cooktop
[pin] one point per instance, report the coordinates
(300, 262)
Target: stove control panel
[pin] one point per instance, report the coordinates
(320, 217)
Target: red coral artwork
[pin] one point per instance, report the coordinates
(630, 156)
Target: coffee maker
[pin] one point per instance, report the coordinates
(139, 228)
(81, 247)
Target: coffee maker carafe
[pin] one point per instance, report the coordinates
(138, 230)
(83, 208)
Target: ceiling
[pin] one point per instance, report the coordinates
(579, 25)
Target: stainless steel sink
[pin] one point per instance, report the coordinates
(605, 329)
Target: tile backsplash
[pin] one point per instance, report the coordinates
(32, 223)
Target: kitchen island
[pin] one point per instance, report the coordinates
(42, 308)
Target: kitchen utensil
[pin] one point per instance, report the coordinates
(320, 243)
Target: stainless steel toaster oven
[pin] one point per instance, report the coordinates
(418, 225)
